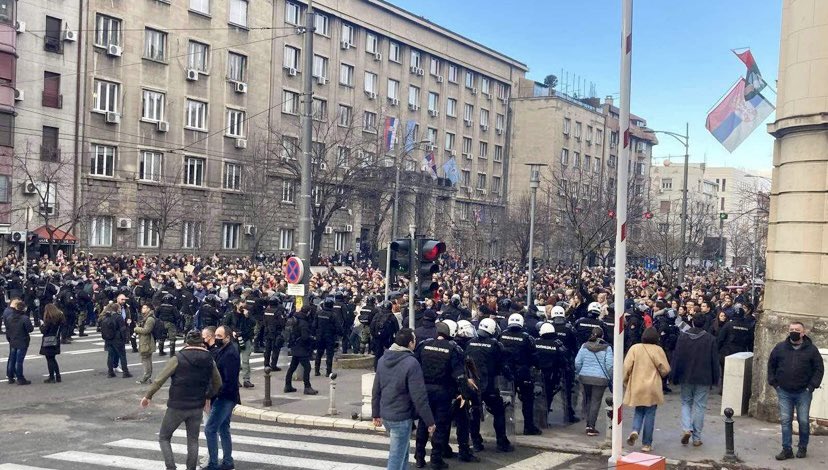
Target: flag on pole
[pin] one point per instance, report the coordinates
(390, 132)
(430, 165)
(409, 134)
(754, 81)
(735, 118)
(450, 169)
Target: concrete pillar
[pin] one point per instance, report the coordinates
(797, 269)
(738, 373)
(367, 392)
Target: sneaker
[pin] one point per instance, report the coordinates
(50, 380)
(438, 465)
(110, 374)
(785, 454)
(505, 447)
(645, 448)
(697, 443)
(23, 382)
(227, 466)
(11, 381)
(801, 452)
(310, 391)
(478, 447)
(632, 438)
(469, 458)
(127, 375)
(592, 432)
(289, 389)
(247, 384)
(685, 437)
(419, 462)
(277, 369)
(57, 378)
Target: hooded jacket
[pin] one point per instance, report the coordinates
(695, 360)
(795, 370)
(593, 364)
(399, 391)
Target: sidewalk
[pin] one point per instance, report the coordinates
(757, 442)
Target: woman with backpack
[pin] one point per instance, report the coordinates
(146, 341)
(593, 366)
(53, 321)
(645, 365)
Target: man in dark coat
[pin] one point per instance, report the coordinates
(18, 326)
(114, 334)
(226, 354)
(301, 345)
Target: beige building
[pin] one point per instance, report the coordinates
(181, 102)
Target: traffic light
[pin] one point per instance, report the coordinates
(427, 265)
(611, 214)
(401, 251)
(648, 215)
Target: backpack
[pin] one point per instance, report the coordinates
(108, 327)
(159, 330)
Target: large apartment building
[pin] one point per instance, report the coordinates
(168, 110)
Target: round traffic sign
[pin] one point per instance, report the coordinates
(294, 270)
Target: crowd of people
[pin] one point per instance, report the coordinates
(475, 337)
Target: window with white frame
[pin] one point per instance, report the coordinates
(150, 165)
(394, 54)
(452, 73)
(415, 58)
(467, 145)
(288, 190)
(599, 137)
(481, 181)
(235, 123)
(484, 117)
(369, 121)
(465, 178)
(564, 157)
(468, 112)
(103, 160)
(449, 141)
(597, 165)
(194, 171)
(191, 234)
(236, 67)
(290, 102)
(100, 231)
(343, 157)
(345, 115)
(577, 130)
(155, 44)
(587, 162)
(322, 24)
(290, 147)
(413, 95)
(340, 239)
(469, 79)
(232, 176)
(291, 59)
(566, 125)
(484, 150)
(464, 210)
(106, 96)
(371, 43)
(502, 91)
(451, 107)
(148, 234)
(201, 6)
(152, 105)
(485, 86)
(347, 34)
(320, 66)
(319, 109)
(589, 134)
(431, 135)
(107, 31)
(230, 235)
(196, 115)
(434, 66)
(433, 101)
(197, 56)
(393, 89)
(498, 153)
(346, 74)
(285, 239)
(370, 82)
(293, 13)
(238, 12)
(500, 122)
(576, 160)
(496, 184)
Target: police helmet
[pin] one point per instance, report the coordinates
(455, 300)
(594, 307)
(447, 328)
(488, 325)
(505, 304)
(371, 300)
(328, 303)
(386, 305)
(167, 298)
(465, 329)
(516, 319)
(558, 311)
(546, 328)
(339, 296)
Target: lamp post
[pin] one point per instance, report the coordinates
(534, 182)
(684, 140)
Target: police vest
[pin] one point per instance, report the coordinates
(435, 357)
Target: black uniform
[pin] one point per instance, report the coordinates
(585, 325)
(328, 332)
(301, 345)
(274, 325)
(488, 356)
(554, 359)
(167, 313)
(366, 315)
(520, 348)
(384, 326)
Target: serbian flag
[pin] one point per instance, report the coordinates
(430, 165)
(754, 83)
(735, 118)
(390, 134)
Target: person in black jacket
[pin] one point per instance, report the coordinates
(328, 332)
(795, 370)
(427, 329)
(695, 366)
(18, 326)
(274, 324)
(226, 355)
(243, 326)
(114, 334)
(53, 320)
(301, 346)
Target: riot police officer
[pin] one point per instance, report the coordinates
(442, 364)
(274, 325)
(345, 312)
(167, 313)
(584, 326)
(384, 327)
(328, 332)
(737, 334)
(553, 358)
(488, 356)
(366, 314)
(504, 306)
(531, 320)
(208, 314)
(566, 334)
(66, 302)
(522, 356)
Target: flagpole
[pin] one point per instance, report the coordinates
(621, 231)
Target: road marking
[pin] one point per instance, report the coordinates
(82, 351)
(291, 430)
(542, 461)
(14, 466)
(116, 461)
(253, 457)
(72, 372)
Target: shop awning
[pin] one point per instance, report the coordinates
(58, 236)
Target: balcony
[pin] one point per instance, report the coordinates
(52, 100)
(8, 38)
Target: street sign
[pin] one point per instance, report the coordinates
(294, 270)
(296, 289)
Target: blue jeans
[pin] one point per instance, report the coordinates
(801, 401)
(693, 406)
(645, 416)
(218, 426)
(400, 432)
(14, 366)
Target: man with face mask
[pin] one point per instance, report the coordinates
(226, 355)
(795, 370)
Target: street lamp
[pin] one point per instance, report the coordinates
(684, 140)
(534, 182)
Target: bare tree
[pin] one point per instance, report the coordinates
(259, 196)
(161, 200)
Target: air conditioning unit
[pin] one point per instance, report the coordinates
(192, 75)
(474, 91)
(349, 228)
(322, 80)
(413, 69)
(371, 95)
(328, 230)
(484, 128)
(70, 36)
(292, 71)
(467, 155)
(502, 99)
(113, 118)
(488, 96)
(377, 56)
(413, 107)
(345, 45)
(439, 79)
(114, 50)
(432, 148)
(499, 131)
(249, 229)
(20, 27)
(124, 223)
(240, 87)
(19, 95)
(29, 188)
(420, 72)
(323, 166)
(394, 101)
(163, 126)
(468, 122)
(433, 112)
(241, 143)
(46, 209)
(18, 236)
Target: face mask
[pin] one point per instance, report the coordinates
(795, 336)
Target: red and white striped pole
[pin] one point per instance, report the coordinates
(621, 231)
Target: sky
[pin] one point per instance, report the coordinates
(682, 59)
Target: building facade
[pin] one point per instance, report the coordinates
(185, 128)
(8, 103)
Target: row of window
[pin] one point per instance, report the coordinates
(465, 181)
(599, 133)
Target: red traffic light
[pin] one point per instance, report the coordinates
(432, 249)
(611, 214)
(648, 215)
